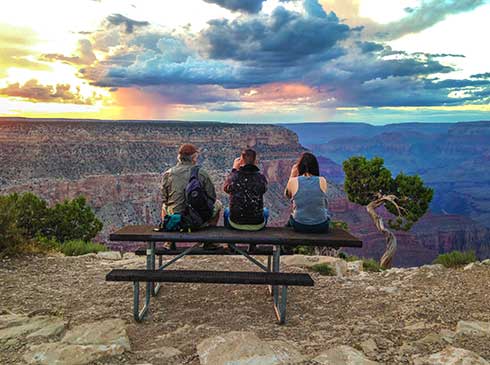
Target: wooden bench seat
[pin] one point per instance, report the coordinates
(211, 277)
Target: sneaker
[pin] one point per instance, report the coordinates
(210, 246)
(169, 246)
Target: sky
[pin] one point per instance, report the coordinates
(377, 61)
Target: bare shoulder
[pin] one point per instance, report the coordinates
(323, 183)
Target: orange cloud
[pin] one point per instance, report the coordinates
(279, 92)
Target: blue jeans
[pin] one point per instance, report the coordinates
(226, 216)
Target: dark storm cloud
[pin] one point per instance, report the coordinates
(118, 19)
(248, 6)
(283, 38)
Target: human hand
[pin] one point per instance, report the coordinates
(237, 163)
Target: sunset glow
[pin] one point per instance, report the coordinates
(261, 61)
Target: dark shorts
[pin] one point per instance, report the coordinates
(306, 228)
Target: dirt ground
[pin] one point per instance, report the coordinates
(396, 309)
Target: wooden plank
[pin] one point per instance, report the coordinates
(259, 251)
(211, 277)
(268, 236)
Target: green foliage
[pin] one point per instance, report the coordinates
(72, 220)
(11, 239)
(31, 212)
(339, 224)
(80, 247)
(368, 180)
(323, 269)
(304, 250)
(348, 258)
(27, 224)
(370, 265)
(364, 179)
(456, 258)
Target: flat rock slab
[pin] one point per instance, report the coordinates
(245, 348)
(83, 344)
(343, 355)
(476, 328)
(109, 255)
(452, 356)
(339, 265)
(18, 326)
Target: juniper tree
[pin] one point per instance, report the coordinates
(370, 183)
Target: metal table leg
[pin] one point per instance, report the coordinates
(150, 265)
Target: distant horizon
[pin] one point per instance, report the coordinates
(95, 120)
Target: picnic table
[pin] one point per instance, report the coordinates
(276, 238)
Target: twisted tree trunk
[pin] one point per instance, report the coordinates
(391, 244)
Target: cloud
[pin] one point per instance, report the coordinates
(85, 54)
(33, 91)
(118, 19)
(17, 45)
(307, 57)
(429, 13)
(225, 108)
(283, 38)
(248, 6)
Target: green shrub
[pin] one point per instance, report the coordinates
(79, 247)
(339, 224)
(11, 239)
(304, 250)
(72, 220)
(323, 269)
(31, 212)
(456, 258)
(370, 265)
(348, 258)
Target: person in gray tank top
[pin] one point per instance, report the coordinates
(308, 194)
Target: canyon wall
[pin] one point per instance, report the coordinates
(118, 165)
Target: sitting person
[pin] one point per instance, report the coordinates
(175, 180)
(307, 191)
(246, 187)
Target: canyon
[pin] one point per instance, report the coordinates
(117, 165)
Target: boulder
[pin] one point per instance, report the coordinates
(83, 344)
(245, 348)
(486, 262)
(343, 355)
(306, 261)
(477, 328)
(109, 255)
(66, 354)
(108, 332)
(355, 267)
(451, 355)
(16, 326)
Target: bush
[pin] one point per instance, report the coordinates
(11, 239)
(348, 258)
(27, 224)
(304, 250)
(370, 265)
(79, 247)
(456, 258)
(72, 220)
(323, 269)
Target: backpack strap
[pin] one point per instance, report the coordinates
(194, 172)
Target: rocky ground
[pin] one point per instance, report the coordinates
(57, 309)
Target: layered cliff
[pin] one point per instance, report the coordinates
(117, 165)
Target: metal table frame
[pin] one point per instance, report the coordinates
(278, 293)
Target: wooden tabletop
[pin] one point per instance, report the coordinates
(268, 236)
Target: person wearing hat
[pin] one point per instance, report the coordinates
(175, 180)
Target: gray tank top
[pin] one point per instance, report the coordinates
(310, 205)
